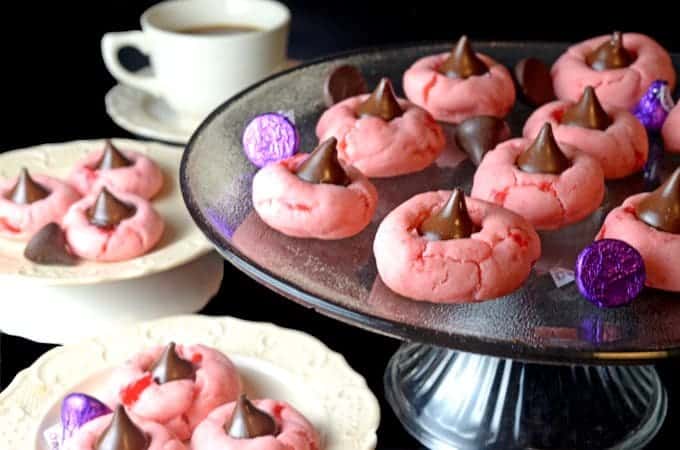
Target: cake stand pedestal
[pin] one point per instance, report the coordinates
(63, 314)
(557, 373)
(454, 400)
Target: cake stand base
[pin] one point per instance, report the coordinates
(452, 400)
(63, 314)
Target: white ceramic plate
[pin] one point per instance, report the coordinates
(182, 241)
(72, 313)
(274, 362)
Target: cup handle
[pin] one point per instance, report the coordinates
(111, 45)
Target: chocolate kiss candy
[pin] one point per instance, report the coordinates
(27, 190)
(108, 211)
(322, 166)
(451, 222)
(534, 80)
(543, 155)
(382, 102)
(661, 208)
(463, 62)
(112, 158)
(342, 83)
(477, 135)
(122, 434)
(77, 409)
(48, 246)
(249, 422)
(171, 367)
(587, 112)
(610, 55)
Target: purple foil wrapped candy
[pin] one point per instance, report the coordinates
(270, 137)
(610, 273)
(77, 409)
(654, 106)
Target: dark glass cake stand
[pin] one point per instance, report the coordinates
(540, 368)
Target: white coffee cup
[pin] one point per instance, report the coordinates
(195, 73)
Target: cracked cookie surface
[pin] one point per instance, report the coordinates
(621, 149)
(453, 100)
(129, 239)
(379, 148)
(307, 210)
(490, 263)
(619, 88)
(547, 201)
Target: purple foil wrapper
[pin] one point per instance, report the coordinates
(610, 273)
(654, 106)
(270, 137)
(77, 409)
(652, 170)
(598, 332)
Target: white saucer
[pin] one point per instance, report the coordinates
(182, 241)
(145, 115)
(72, 313)
(274, 362)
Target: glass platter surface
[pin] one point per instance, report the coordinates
(539, 322)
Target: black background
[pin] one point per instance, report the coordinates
(53, 81)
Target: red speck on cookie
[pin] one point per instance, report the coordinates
(8, 227)
(499, 196)
(196, 358)
(545, 186)
(558, 114)
(277, 410)
(90, 174)
(521, 240)
(428, 87)
(629, 209)
(131, 392)
(601, 234)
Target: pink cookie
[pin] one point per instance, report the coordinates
(129, 239)
(617, 88)
(547, 201)
(489, 264)
(659, 249)
(86, 437)
(621, 149)
(20, 222)
(454, 99)
(671, 131)
(378, 148)
(143, 178)
(180, 405)
(296, 433)
(301, 209)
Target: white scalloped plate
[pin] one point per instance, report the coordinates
(182, 241)
(274, 362)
